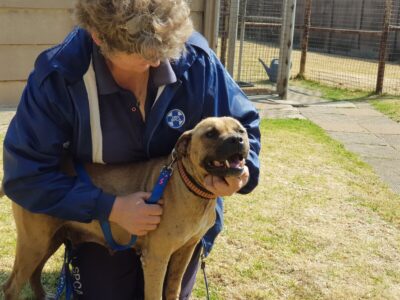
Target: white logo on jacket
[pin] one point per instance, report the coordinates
(175, 118)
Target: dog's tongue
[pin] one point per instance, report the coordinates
(236, 163)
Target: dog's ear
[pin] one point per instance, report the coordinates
(182, 144)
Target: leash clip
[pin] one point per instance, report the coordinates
(173, 160)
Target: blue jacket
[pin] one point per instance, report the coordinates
(54, 114)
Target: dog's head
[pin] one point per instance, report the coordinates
(216, 146)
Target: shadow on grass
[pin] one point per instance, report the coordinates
(49, 281)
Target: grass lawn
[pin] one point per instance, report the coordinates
(388, 105)
(321, 225)
(331, 93)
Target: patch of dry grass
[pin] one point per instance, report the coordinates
(321, 225)
(390, 106)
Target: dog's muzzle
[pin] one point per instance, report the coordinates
(230, 157)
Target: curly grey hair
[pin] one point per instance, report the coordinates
(154, 29)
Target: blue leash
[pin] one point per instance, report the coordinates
(156, 195)
(65, 279)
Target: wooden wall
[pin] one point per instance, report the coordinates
(31, 26)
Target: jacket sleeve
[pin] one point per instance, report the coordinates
(225, 98)
(33, 149)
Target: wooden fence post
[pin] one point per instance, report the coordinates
(242, 33)
(383, 46)
(232, 36)
(306, 37)
(224, 33)
(285, 53)
(211, 22)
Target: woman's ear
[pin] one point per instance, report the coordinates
(96, 38)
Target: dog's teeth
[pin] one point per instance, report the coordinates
(216, 163)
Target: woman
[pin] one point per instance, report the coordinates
(122, 87)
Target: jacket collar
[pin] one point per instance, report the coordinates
(71, 58)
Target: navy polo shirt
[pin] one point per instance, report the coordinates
(122, 124)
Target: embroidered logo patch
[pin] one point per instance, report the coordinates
(175, 118)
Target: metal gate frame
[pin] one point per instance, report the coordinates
(286, 43)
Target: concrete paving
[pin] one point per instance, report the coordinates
(357, 125)
(364, 131)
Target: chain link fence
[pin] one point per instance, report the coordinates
(351, 44)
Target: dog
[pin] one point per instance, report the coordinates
(216, 146)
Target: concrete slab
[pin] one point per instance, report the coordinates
(339, 126)
(280, 115)
(339, 104)
(319, 110)
(359, 112)
(391, 139)
(380, 125)
(388, 170)
(273, 111)
(389, 167)
(358, 138)
(374, 151)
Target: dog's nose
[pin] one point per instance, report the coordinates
(235, 140)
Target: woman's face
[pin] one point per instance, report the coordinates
(131, 62)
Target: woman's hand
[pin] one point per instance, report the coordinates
(134, 215)
(228, 185)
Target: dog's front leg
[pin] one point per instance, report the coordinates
(28, 259)
(176, 269)
(154, 263)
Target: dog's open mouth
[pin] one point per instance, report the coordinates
(232, 166)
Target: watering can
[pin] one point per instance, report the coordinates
(272, 71)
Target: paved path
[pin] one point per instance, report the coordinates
(359, 127)
(364, 131)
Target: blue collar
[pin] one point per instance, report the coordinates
(162, 75)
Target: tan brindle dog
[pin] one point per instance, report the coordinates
(215, 146)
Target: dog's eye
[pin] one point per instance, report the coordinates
(212, 133)
(241, 131)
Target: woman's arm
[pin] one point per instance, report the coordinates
(33, 149)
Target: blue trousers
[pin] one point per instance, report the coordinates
(98, 275)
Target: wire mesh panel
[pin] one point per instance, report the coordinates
(352, 44)
(346, 41)
(258, 35)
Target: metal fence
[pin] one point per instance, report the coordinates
(352, 44)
